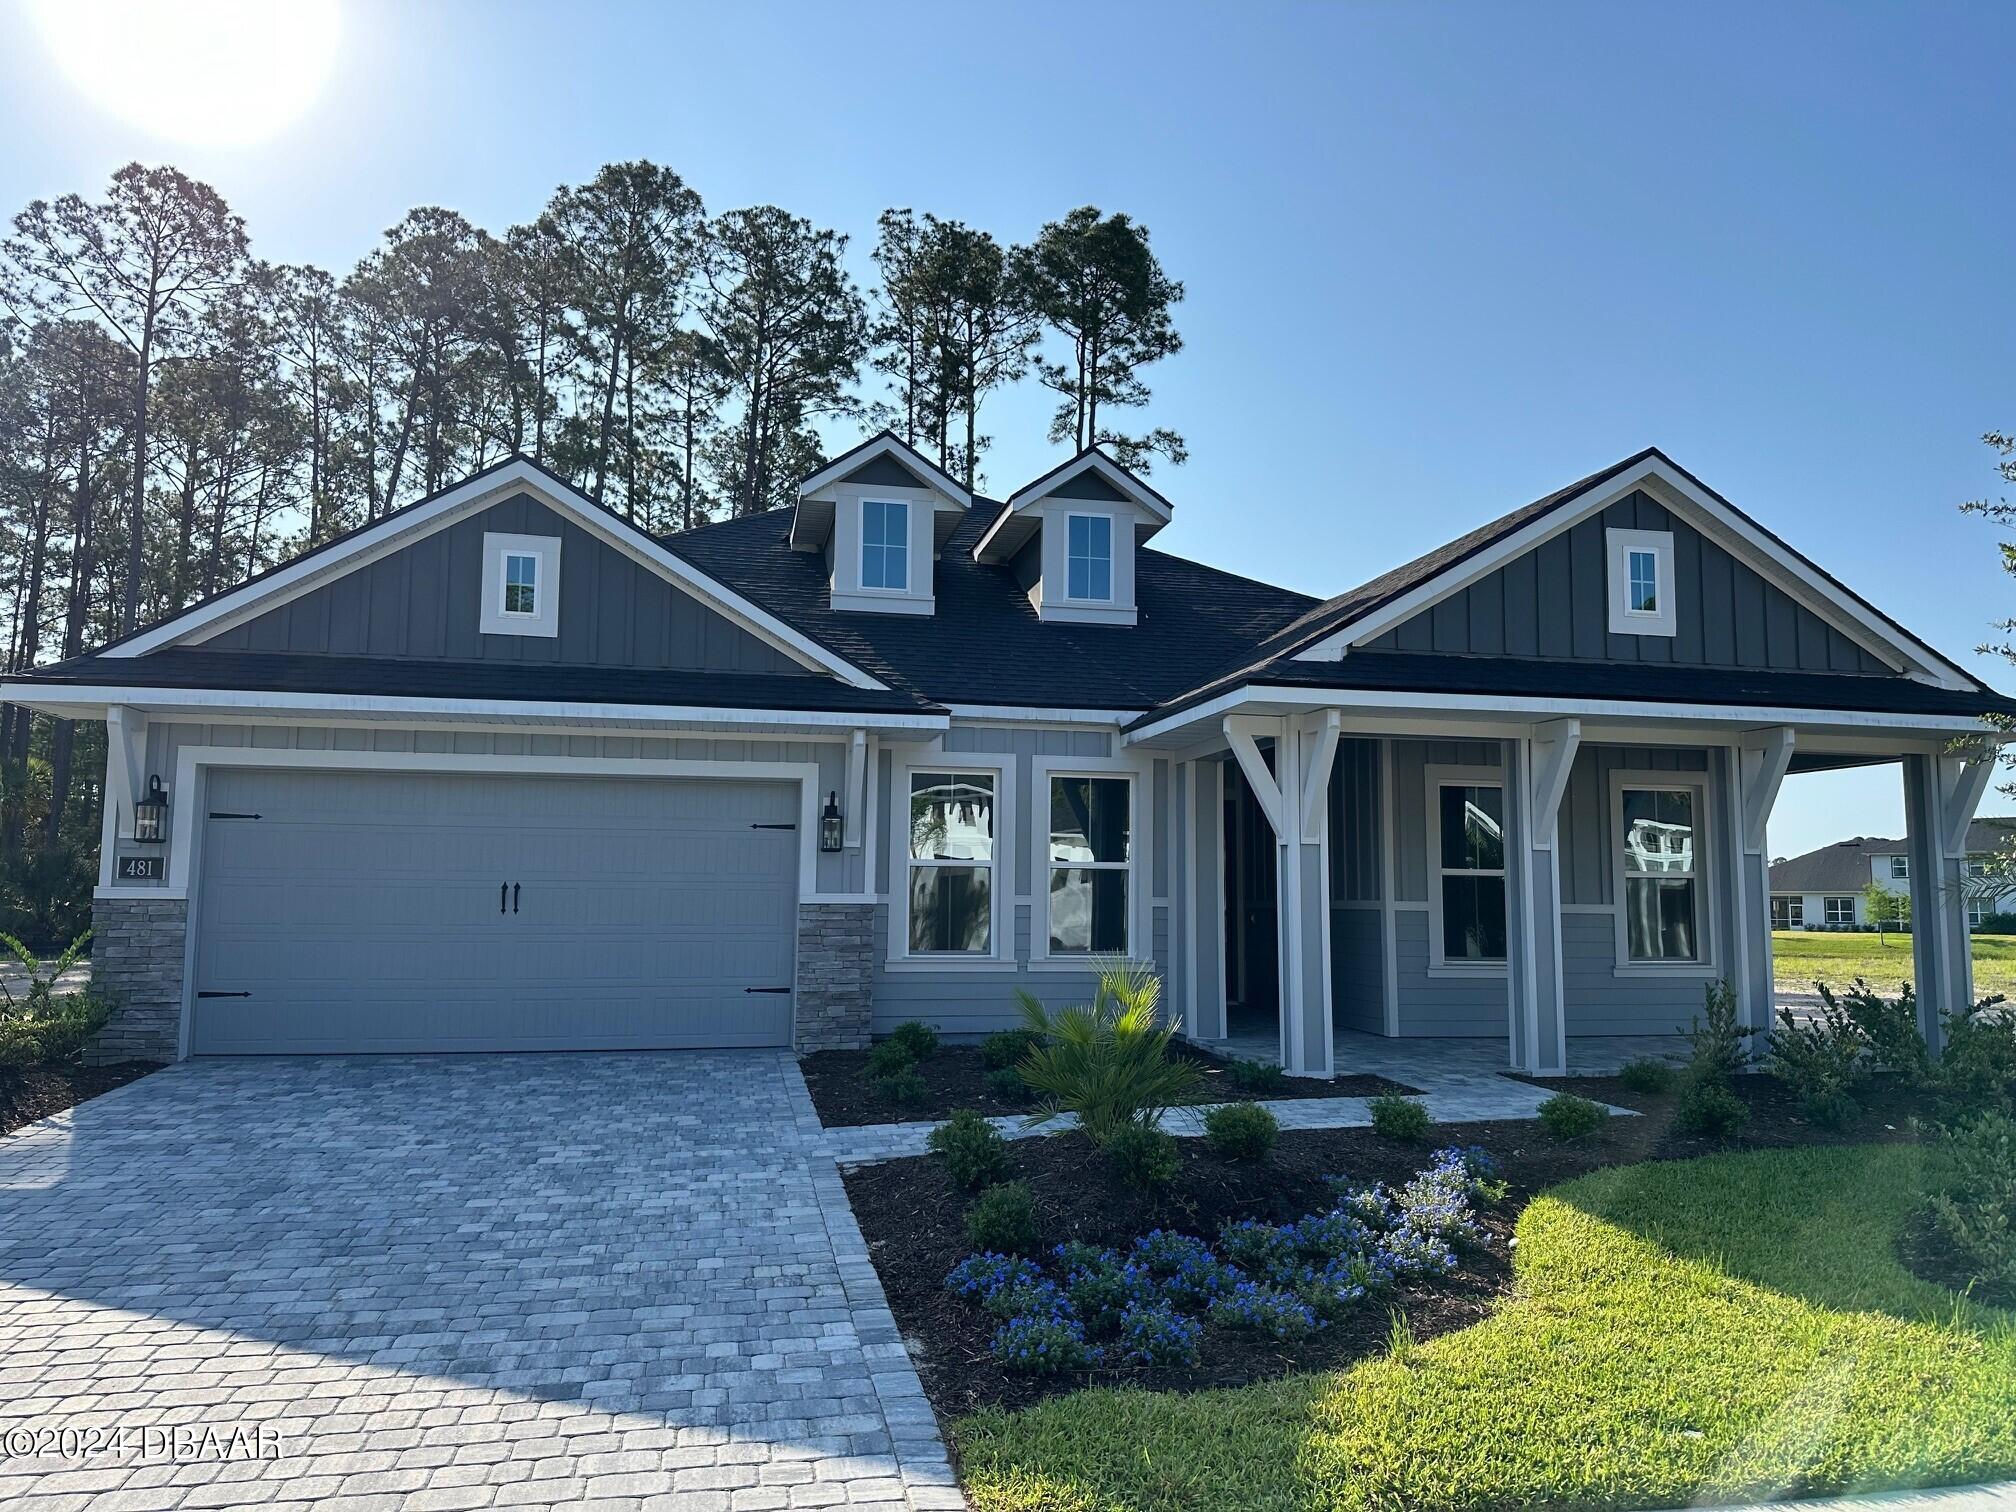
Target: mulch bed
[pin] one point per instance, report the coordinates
(843, 1088)
(38, 1091)
(914, 1221)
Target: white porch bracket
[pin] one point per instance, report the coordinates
(1964, 777)
(857, 788)
(125, 777)
(1240, 730)
(1555, 744)
(1316, 781)
(1766, 757)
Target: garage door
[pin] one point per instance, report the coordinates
(350, 912)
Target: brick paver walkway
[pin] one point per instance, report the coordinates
(449, 1282)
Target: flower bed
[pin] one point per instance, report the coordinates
(35, 1092)
(843, 1089)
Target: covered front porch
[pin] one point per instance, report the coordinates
(1373, 885)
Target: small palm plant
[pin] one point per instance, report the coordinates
(43, 1024)
(1107, 1062)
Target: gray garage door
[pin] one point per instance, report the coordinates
(349, 911)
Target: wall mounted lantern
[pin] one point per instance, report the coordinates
(829, 824)
(150, 814)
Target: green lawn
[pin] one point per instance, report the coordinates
(1799, 959)
(1717, 1328)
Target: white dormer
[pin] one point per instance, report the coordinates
(1071, 535)
(880, 513)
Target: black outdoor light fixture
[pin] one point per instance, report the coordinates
(829, 824)
(150, 814)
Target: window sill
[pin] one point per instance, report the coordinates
(1679, 970)
(1078, 964)
(1476, 973)
(949, 963)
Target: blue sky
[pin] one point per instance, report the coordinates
(1440, 259)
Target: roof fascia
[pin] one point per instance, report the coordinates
(420, 520)
(1723, 523)
(1092, 460)
(888, 445)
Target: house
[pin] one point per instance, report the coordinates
(501, 771)
(1825, 888)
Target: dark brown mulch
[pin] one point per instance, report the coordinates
(1929, 1256)
(843, 1088)
(914, 1222)
(37, 1091)
(1775, 1120)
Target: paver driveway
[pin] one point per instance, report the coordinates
(512, 1280)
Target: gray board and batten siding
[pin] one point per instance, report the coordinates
(1553, 601)
(424, 600)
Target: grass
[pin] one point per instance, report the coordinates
(1800, 958)
(1715, 1329)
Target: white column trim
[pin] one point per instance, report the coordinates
(1555, 745)
(857, 772)
(1963, 778)
(1764, 759)
(1316, 780)
(1240, 730)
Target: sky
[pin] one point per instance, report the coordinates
(1439, 259)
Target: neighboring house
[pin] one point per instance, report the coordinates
(501, 771)
(1826, 888)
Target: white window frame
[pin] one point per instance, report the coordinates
(1827, 903)
(1900, 867)
(1707, 884)
(544, 620)
(1111, 568)
(1001, 955)
(1041, 773)
(909, 572)
(1794, 908)
(1435, 779)
(1619, 548)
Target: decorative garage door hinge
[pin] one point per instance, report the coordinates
(773, 826)
(215, 815)
(223, 994)
(767, 989)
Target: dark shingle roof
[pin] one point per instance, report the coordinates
(1843, 867)
(984, 643)
(1648, 682)
(404, 677)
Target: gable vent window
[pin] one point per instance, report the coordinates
(1089, 558)
(521, 583)
(1642, 590)
(885, 545)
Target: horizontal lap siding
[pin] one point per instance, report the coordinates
(1599, 1001)
(1440, 1005)
(1553, 602)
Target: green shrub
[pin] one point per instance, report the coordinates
(1566, 1116)
(1822, 1059)
(889, 1057)
(44, 1026)
(1241, 1131)
(1709, 1109)
(1397, 1117)
(1648, 1075)
(1718, 1037)
(1889, 1028)
(1007, 1084)
(1833, 1109)
(1003, 1220)
(975, 1153)
(1973, 1198)
(1256, 1076)
(1143, 1158)
(1977, 1072)
(918, 1039)
(905, 1088)
(1109, 1063)
(999, 1052)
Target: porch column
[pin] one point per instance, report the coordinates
(1294, 797)
(1941, 793)
(1536, 776)
(1758, 764)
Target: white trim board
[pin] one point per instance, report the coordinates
(416, 521)
(1720, 522)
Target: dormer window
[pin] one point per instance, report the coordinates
(1641, 582)
(1089, 559)
(521, 584)
(885, 545)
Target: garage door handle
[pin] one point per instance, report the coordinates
(514, 897)
(767, 989)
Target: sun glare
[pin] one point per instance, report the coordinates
(214, 72)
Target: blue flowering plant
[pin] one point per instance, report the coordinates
(1255, 1246)
(978, 1277)
(1411, 1256)
(1045, 1345)
(1267, 1310)
(1157, 1334)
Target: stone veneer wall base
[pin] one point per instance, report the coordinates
(836, 970)
(137, 947)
